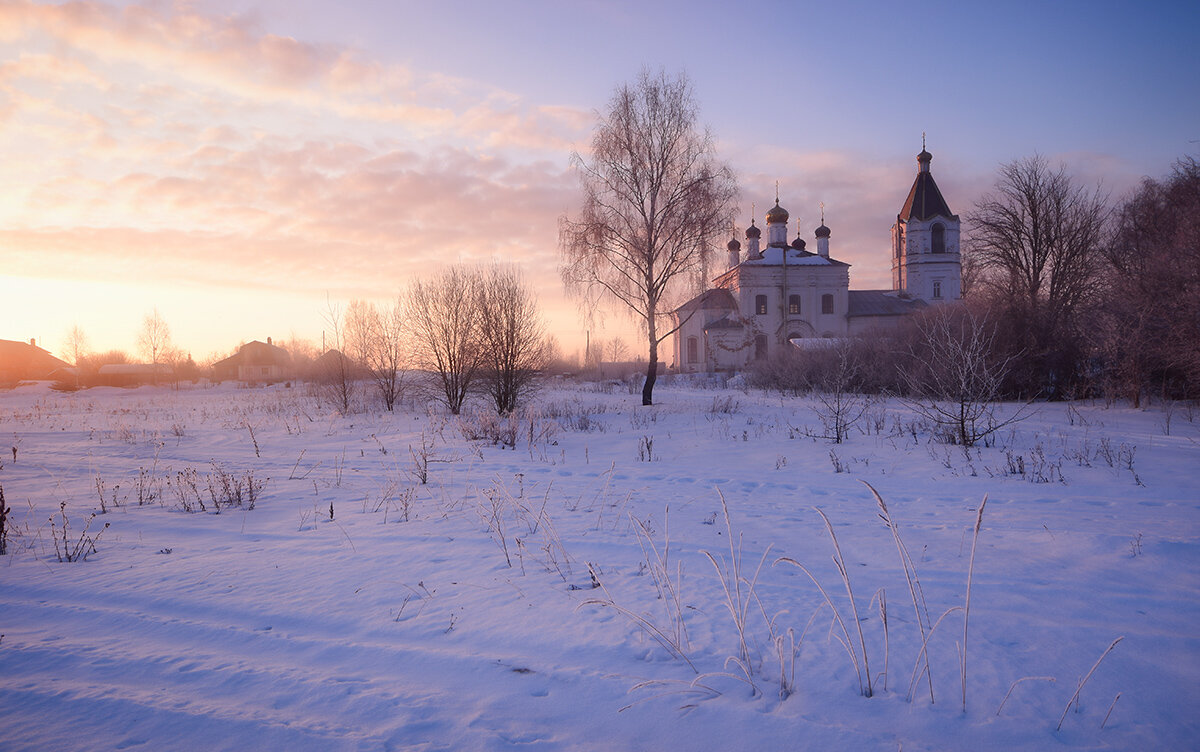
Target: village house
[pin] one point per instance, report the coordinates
(25, 361)
(256, 363)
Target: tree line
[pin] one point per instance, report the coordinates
(1088, 298)
(466, 329)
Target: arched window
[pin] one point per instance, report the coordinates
(760, 347)
(937, 289)
(693, 350)
(938, 235)
(794, 304)
(826, 303)
(760, 305)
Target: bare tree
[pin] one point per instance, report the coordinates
(954, 374)
(446, 331)
(376, 339)
(1037, 239)
(336, 374)
(656, 198)
(76, 345)
(154, 341)
(615, 350)
(513, 336)
(1149, 329)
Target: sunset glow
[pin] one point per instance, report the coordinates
(238, 164)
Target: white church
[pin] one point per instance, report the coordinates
(775, 297)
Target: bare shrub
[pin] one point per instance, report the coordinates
(67, 547)
(4, 510)
(954, 375)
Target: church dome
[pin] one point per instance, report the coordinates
(924, 157)
(822, 231)
(798, 243)
(777, 214)
(733, 245)
(752, 231)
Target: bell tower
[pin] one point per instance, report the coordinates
(926, 263)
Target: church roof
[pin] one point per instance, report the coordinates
(881, 303)
(773, 256)
(725, 322)
(717, 298)
(924, 200)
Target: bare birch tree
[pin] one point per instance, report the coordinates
(656, 199)
(76, 345)
(154, 341)
(513, 336)
(446, 331)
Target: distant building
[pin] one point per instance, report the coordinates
(256, 363)
(25, 361)
(770, 299)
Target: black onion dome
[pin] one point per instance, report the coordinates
(734, 245)
(798, 243)
(752, 231)
(924, 157)
(822, 231)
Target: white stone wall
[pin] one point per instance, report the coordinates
(917, 268)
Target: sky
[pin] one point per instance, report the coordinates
(242, 167)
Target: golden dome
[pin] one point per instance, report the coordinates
(777, 214)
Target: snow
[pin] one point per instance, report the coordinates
(772, 256)
(280, 628)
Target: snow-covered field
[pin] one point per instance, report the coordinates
(560, 594)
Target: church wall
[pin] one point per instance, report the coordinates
(919, 268)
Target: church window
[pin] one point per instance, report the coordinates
(760, 305)
(693, 350)
(826, 303)
(794, 304)
(938, 235)
(760, 347)
(937, 288)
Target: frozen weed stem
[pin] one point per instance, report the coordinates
(847, 642)
(739, 591)
(67, 549)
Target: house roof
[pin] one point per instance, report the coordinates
(881, 303)
(256, 353)
(924, 200)
(27, 361)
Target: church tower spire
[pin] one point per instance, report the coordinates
(925, 240)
